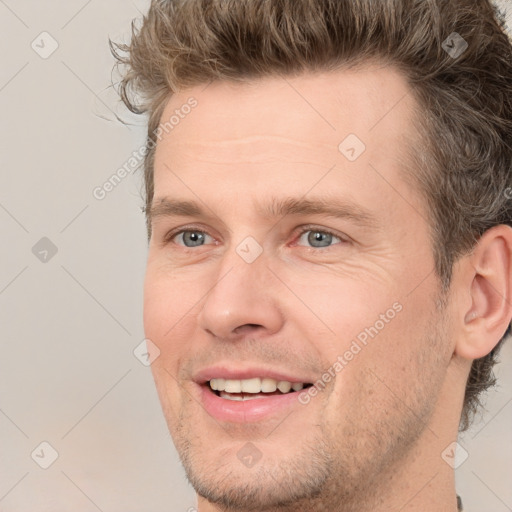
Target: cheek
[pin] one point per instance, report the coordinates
(340, 312)
(165, 317)
(391, 383)
(156, 321)
(386, 338)
(166, 303)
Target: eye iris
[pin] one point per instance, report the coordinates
(197, 237)
(319, 236)
(194, 236)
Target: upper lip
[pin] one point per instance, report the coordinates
(238, 373)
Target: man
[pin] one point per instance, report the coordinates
(329, 276)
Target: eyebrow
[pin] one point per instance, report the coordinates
(276, 207)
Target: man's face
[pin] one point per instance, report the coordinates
(243, 293)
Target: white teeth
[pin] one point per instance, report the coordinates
(238, 398)
(254, 385)
(284, 386)
(217, 383)
(231, 397)
(268, 385)
(251, 385)
(232, 386)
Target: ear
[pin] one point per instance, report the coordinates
(487, 279)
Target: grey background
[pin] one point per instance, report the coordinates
(70, 323)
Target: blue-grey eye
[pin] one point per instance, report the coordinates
(196, 238)
(317, 238)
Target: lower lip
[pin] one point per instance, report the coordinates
(244, 411)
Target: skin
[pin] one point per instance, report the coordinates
(372, 439)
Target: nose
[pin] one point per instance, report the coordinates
(243, 300)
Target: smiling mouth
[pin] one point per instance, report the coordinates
(251, 389)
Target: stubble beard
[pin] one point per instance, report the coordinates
(343, 469)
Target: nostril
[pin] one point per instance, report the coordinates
(247, 328)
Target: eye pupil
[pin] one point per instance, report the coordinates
(319, 236)
(192, 236)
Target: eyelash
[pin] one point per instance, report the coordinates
(171, 235)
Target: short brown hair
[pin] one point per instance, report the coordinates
(464, 168)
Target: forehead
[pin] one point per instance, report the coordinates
(281, 130)
(331, 102)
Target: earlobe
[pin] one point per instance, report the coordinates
(489, 279)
